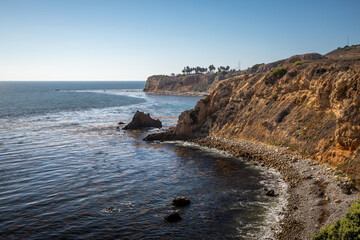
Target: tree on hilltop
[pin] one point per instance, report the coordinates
(211, 68)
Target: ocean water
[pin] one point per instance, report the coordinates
(67, 172)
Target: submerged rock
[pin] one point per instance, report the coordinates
(142, 120)
(173, 217)
(181, 202)
(109, 209)
(271, 193)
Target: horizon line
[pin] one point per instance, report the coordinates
(71, 80)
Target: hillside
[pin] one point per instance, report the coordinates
(313, 109)
(192, 83)
(203, 83)
(285, 115)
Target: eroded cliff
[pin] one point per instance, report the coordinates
(193, 83)
(312, 107)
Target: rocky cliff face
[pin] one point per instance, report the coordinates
(194, 83)
(203, 83)
(313, 108)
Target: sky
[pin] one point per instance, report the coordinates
(133, 39)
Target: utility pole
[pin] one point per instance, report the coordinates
(239, 65)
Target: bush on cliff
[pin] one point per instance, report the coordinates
(255, 67)
(159, 76)
(205, 100)
(279, 72)
(346, 228)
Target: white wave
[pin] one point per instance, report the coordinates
(138, 93)
(275, 209)
(272, 180)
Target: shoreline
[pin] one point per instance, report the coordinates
(318, 194)
(182, 94)
(271, 180)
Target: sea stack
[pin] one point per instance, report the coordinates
(142, 120)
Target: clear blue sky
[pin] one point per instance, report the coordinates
(130, 40)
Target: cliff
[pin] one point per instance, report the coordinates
(311, 104)
(203, 83)
(192, 83)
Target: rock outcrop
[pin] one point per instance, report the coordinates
(142, 120)
(181, 202)
(173, 217)
(193, 83)
(313, 109)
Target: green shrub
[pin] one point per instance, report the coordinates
(279, 72)
(159, 76)
(346, 228)
(275, 96)
(205, 100)
(298, 63)
(255, 67)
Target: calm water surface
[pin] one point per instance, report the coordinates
(66, 172)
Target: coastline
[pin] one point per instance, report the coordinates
(316, 191)
(183, 94)
(271, 180)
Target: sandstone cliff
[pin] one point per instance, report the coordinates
(193, 83)
(203, 83)
(312, 107)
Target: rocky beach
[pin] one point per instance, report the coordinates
(319, 195)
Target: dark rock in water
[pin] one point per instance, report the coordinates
(162, 136)
(181, 202)
(173, 217)
(271, 193)
(120, 123)
(109, 209)
(142, 120)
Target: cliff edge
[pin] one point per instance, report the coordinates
(309, 104)
(192, 83)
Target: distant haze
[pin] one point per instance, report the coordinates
(130, 40)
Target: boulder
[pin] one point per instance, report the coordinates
(142, 120)
(271, 193)
(181, 202)
(173, 217)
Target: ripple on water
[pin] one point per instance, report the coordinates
(73, 175)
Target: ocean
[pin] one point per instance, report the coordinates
(67, 172)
